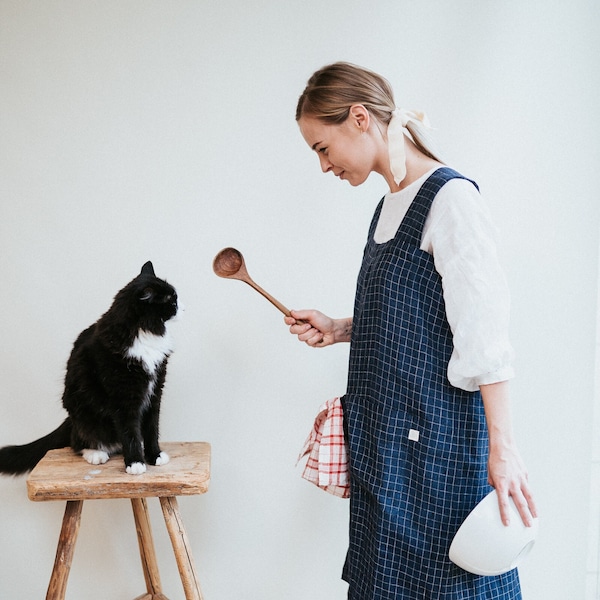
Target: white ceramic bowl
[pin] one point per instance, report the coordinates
(484, 546)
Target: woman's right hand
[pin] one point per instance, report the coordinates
(316, 329)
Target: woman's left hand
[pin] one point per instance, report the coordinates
(506, 470)
(508, 475)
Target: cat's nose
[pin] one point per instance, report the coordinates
(180, 310)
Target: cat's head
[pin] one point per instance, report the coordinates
(147, 302)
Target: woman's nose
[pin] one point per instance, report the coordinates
(325, 164)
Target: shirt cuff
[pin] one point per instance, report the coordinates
(471, 384)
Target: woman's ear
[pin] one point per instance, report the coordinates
(359, 117)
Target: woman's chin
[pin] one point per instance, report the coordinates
(353, 181)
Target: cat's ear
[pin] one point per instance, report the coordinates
(148, 269)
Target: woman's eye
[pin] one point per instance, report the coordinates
(322, 151)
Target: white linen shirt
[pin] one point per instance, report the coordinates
(460, 235)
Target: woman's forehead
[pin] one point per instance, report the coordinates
(314, 131)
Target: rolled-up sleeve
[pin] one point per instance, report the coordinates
(462, 238)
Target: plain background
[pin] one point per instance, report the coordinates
(165, 130)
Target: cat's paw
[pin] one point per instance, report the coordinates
(162, 459)
(95, 457)
(136, 468)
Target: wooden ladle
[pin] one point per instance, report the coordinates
(229, 263)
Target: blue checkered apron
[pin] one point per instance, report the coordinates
(409, 496)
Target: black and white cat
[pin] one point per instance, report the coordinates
(113, 383)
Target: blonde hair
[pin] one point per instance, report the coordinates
(332, 90)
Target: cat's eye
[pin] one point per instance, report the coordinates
(170, 299)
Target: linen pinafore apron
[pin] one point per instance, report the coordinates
(417, 445)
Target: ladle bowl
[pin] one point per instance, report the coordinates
(228, 263)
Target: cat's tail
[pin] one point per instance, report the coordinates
(16, 460)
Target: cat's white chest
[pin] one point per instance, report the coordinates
(150, 349)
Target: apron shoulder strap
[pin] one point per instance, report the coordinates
(412, 225)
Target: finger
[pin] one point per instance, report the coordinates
(316, 339)
(301, 315)
(299, 329)
(525, 504)
(532, 505)
(305, 332)
(504, 507)
(522, 508)
(311, 335)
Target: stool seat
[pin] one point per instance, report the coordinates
(64, 475)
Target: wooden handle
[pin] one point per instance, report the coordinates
(272, 300)
(268, 296)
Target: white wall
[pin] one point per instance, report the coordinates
(593, 562)
(165, 130)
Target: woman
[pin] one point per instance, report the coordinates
(427, 411)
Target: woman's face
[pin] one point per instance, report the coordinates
(342, 149)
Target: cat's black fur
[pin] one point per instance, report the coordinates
(113, 383)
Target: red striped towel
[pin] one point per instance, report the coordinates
(327, 464)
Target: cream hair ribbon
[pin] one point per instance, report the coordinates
(395, 134)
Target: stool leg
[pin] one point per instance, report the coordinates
(64, 552)
(181, 547)
(147, 553)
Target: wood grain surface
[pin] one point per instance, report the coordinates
(64, 475)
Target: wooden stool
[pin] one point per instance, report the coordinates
(64, 475)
